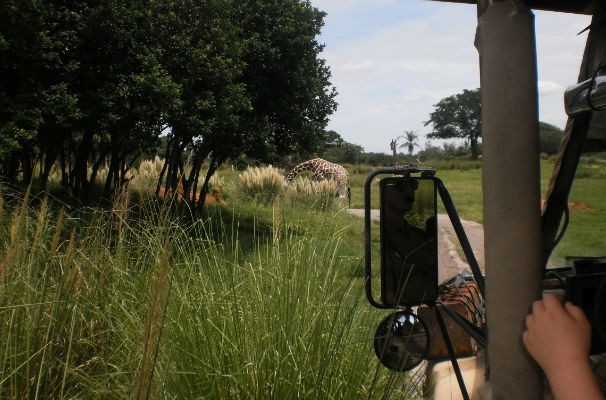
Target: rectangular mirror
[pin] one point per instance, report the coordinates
(409, 245)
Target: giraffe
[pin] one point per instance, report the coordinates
(323, 170)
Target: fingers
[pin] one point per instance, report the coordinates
(575, 312)
(552, 301)
(530, 321)
(550, 304)
(538, 306)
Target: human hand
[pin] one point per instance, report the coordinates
(557, 336)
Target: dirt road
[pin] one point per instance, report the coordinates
(449, 251)
(450, 255)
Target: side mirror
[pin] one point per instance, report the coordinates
(408, 238)
(409, 245)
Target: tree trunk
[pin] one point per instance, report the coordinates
(27, 164)
(169, 145)
(473, 145)
(49, 160)
(79, 171)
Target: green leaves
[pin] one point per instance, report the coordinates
(458, 116)
(92, 82)
(287, 81)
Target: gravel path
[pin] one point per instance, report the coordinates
(450, 262)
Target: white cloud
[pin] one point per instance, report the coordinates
(550, 87)
(349, 66)
(416, 95)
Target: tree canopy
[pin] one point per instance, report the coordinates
(337, 150)
(550, 137)
(458, 117)
(86, 84)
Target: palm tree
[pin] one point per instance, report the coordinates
(411, 142)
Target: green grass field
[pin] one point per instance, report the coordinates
(586, 232)
(248, 302)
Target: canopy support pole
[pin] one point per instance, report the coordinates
(511, 192)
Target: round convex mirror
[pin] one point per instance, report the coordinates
(401, 341)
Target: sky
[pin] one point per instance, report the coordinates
(393, 60)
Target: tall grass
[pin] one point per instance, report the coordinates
(302, 192)
(72, 302)
(261, 185)
(114, 305)
(254, 302)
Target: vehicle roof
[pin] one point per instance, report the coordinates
(568, 6)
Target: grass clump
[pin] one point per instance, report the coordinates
(66, 332)
(145, 177)
(313, 195)
(260, 185)
(276, 326)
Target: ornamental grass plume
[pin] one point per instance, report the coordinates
(147, 175)
(315, 195)
(261, 185)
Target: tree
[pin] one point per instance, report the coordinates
(346, 153)
(34, 96)
(337, 150)
(81, 84)
(458, 117)
(550, 138)
(332, 139)
(252, 83)
(124, 91)
(411, 142)
(202, 52)
(287, 82)
(375, 159)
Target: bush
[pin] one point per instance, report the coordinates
(261, 185)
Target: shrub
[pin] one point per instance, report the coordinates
(261, 185)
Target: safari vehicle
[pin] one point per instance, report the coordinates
(519, 234)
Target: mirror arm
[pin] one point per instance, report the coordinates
(460, 231)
